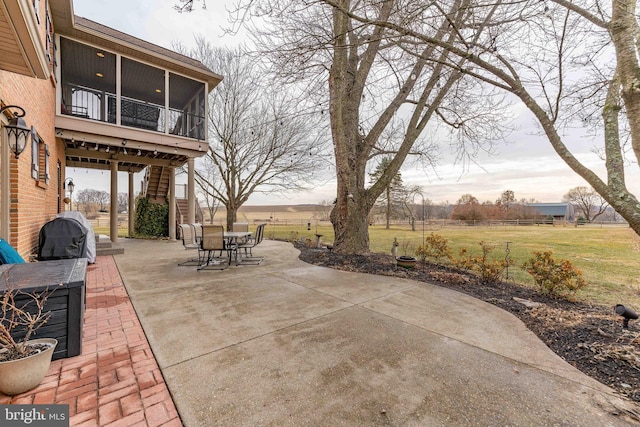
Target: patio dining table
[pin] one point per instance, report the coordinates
(232, 239)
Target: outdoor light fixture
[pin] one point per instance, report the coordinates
(69, 185)
(17, 130)
(627, 313)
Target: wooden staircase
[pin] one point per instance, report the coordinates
(156, 184)
(156, 188)
(182, 209)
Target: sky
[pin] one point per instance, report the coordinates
(526, 164)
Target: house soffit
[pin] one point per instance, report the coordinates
(87, 31)
(21, 50)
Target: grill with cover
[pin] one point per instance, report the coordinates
(62, 238)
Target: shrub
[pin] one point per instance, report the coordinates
(407, 248)
(553, 277)
(436, 247)
(293, 237)
(152, 219)
(490, 270)
(21, 315)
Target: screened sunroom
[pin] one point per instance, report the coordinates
(113, 88)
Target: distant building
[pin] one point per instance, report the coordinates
(559, 211)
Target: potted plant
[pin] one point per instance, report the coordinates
(406, 261)
(24, 362)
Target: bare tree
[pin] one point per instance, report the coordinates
(85, 201)
(573, 65)
(382, 94)
(91, 199)
(123, 202)
(187, 5)
(408, 203)
(261, 138)
(506, 201)
(392, 198)
(210, 186)
(468, 208)
(102, 198)
(588, 201)
(324, 210)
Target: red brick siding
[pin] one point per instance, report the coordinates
(33, 202)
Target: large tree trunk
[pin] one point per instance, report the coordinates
(349, 215)
(351, 227)
(624, 32)
(347, 79)
(232, 215)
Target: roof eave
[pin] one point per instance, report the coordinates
(210, 77)
(65, 22)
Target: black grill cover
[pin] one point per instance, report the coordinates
(62, 238)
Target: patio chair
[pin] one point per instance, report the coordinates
(249, 245)
(197, 230)
(213, 240)
(242, 226)
(189, 243)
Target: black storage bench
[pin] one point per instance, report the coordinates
(66, 278)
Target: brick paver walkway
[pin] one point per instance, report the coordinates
(116, 380)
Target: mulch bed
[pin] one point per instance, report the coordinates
(589, 337)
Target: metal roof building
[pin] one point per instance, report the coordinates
(559, 211)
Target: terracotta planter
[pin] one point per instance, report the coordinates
(406, 261)
(19, 376)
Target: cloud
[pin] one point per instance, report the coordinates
(526, 164)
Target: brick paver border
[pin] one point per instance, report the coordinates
(116, 380)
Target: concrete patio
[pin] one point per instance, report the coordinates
(287, 343)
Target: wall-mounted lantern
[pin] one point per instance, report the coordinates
(17, 130)
(69, 185)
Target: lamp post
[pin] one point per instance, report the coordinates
(17, 130)
(68, 184)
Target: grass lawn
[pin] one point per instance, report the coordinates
(122, 232)
(607, 255)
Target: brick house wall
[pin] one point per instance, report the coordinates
(33, 201)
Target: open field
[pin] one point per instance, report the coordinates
(279, 214)
(606, 254)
